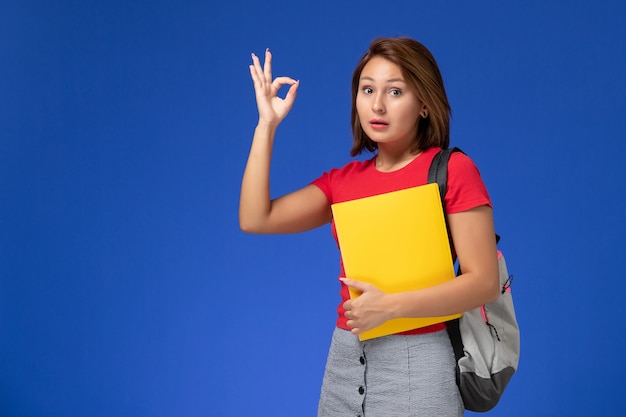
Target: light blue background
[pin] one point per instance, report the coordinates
(126, 287)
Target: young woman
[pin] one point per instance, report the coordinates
(400, 112)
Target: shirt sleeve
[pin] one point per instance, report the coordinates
(323, 183)
(466, 189)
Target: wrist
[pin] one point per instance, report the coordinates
(393, 306)
(267, 125)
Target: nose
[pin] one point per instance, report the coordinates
(378, 104)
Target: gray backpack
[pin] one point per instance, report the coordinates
(486, 340)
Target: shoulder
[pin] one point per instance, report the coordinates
(351, 168)
(460, 161)
(466, 188)
(335, 182)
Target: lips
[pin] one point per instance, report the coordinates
(378, 124)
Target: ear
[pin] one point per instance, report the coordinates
(424, 112)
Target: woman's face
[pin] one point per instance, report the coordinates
(388, 108)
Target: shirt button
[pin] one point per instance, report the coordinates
(361, 390)
(362, 360)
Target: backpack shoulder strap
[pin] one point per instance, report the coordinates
(438, 171)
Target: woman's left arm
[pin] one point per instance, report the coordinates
(475, 244)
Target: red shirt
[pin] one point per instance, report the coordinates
(359, 179)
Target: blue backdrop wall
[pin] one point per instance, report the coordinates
(126, 287)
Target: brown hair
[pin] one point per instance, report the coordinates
(422, 74)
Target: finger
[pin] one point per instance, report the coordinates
(280, 81)
(254, 75)
(257, 80)
(257, 67)
(291, 94)
(358, 285)
(267, 69)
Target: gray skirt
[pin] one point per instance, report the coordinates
(391, 376)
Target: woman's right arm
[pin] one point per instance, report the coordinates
(301, 210)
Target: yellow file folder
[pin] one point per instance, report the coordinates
(397, 241)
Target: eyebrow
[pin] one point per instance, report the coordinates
(392, 80)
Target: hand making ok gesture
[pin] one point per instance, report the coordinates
(272, 109)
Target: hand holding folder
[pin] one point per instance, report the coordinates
(398, 242)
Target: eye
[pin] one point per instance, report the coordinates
(367, 90)
(395, 92)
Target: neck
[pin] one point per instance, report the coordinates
(389, 160)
